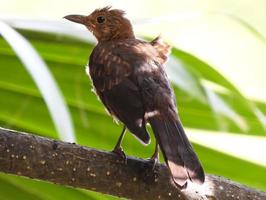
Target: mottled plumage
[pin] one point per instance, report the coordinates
(129, 78)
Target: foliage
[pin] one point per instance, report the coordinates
(22, 107)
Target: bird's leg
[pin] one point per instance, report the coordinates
(155, 156)
(118, 149)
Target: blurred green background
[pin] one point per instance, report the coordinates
(217, 68)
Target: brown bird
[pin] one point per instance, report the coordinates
(129, 78)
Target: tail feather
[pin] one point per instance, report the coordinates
(177, 151)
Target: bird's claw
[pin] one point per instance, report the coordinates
(119, 151)
(154, 161)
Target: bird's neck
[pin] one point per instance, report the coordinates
(123, 34)
(125, 31)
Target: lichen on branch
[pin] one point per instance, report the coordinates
(77, 166)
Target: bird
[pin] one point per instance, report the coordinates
(128, 75)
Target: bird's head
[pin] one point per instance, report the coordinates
(105, 24)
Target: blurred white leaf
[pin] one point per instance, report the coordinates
(246, 147)
(43, 79)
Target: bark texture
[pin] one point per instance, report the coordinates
(77, 166)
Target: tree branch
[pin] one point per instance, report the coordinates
(73, 165)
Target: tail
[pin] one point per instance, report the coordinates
(177, 151)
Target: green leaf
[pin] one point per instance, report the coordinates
(44, 80)
(43, 190)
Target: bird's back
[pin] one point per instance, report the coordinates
(113, 61)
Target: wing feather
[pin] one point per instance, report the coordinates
(111, 74)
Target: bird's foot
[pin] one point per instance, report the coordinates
(154, 160)
(119, 151)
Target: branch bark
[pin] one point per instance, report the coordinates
(73, 165)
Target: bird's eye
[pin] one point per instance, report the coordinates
(100, 19)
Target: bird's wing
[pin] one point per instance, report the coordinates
(107, 69)
(112, 78)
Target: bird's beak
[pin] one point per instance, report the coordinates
(76, 18)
